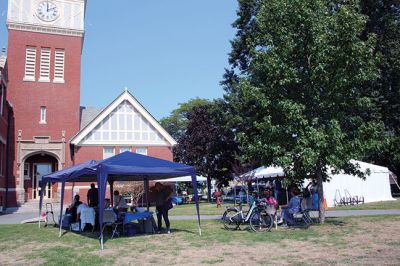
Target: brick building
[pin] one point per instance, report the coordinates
(50, 130)
(5, 118)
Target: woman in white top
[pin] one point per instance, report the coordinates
(119, 202)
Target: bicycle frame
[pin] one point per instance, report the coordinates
(240, 212)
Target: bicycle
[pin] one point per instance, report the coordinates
(258, 217)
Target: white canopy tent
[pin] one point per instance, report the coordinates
(263, 172)
(183, 179)
(376, 186)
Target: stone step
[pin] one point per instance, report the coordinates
(32, 206)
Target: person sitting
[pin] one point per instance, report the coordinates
(73, 208)
(270, 200)
(107, 204)
(79, 211)
(291, 208)
(252, 197)
(119, 202)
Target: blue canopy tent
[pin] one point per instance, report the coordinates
(62, 176)
(125, 166)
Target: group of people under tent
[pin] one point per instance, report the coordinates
(270, 196)
(162, 195)
(294, 204)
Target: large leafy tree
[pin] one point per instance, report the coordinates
(176, 123)
(208, 144)
(296, 86)
(384, 22)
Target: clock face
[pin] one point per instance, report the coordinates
(47, 11)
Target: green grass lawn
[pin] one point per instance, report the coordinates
(205, 209)
(362, 239)
(190, 209)
(393, 204)
(211, 209)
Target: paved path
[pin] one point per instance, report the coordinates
(17, 218)
(340, 213)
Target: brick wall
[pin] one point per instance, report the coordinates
(62, 100)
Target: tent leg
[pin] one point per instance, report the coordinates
(61, 207)
(41, 202)
(196, 198)
(287, 196)
(146, 191)
(111, 192)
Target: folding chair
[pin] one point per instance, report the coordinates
(49, 211)
(110, 219)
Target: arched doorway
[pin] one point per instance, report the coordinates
(35, 167)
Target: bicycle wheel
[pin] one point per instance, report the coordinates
(231, 219)
(261, 221)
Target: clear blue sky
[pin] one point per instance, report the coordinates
(165, 51)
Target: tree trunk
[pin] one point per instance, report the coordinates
(320, 196)
(209, 188)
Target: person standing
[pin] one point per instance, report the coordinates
(119, 202)
(93, 196)
(218, 195)
(277, 185)
(162, 195)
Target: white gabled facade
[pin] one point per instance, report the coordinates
(124, 122)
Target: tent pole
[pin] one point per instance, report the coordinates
(102, 176)
(287, 196)
(112, 192)
(196, 198)
(62, 205)
(41, 200)
(146, 189)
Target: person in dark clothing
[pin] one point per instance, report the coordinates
(74, 207)
(162, 195)
(277, 185)
(93, 196)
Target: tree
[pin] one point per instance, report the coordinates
(135, 189)
(384, 22)
(295, 87)
(176, 123)
(208, 144)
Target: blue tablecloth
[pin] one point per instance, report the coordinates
(131, 216)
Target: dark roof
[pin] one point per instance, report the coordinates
(88, 114)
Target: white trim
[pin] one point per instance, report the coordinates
(44, 29)
(43, 115)
(146, 115)
(124, 143)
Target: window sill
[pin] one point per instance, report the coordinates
(44, 80)
(58, 81)
(28, 79)
(42, 122)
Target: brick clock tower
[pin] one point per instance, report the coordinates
(44, 60)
